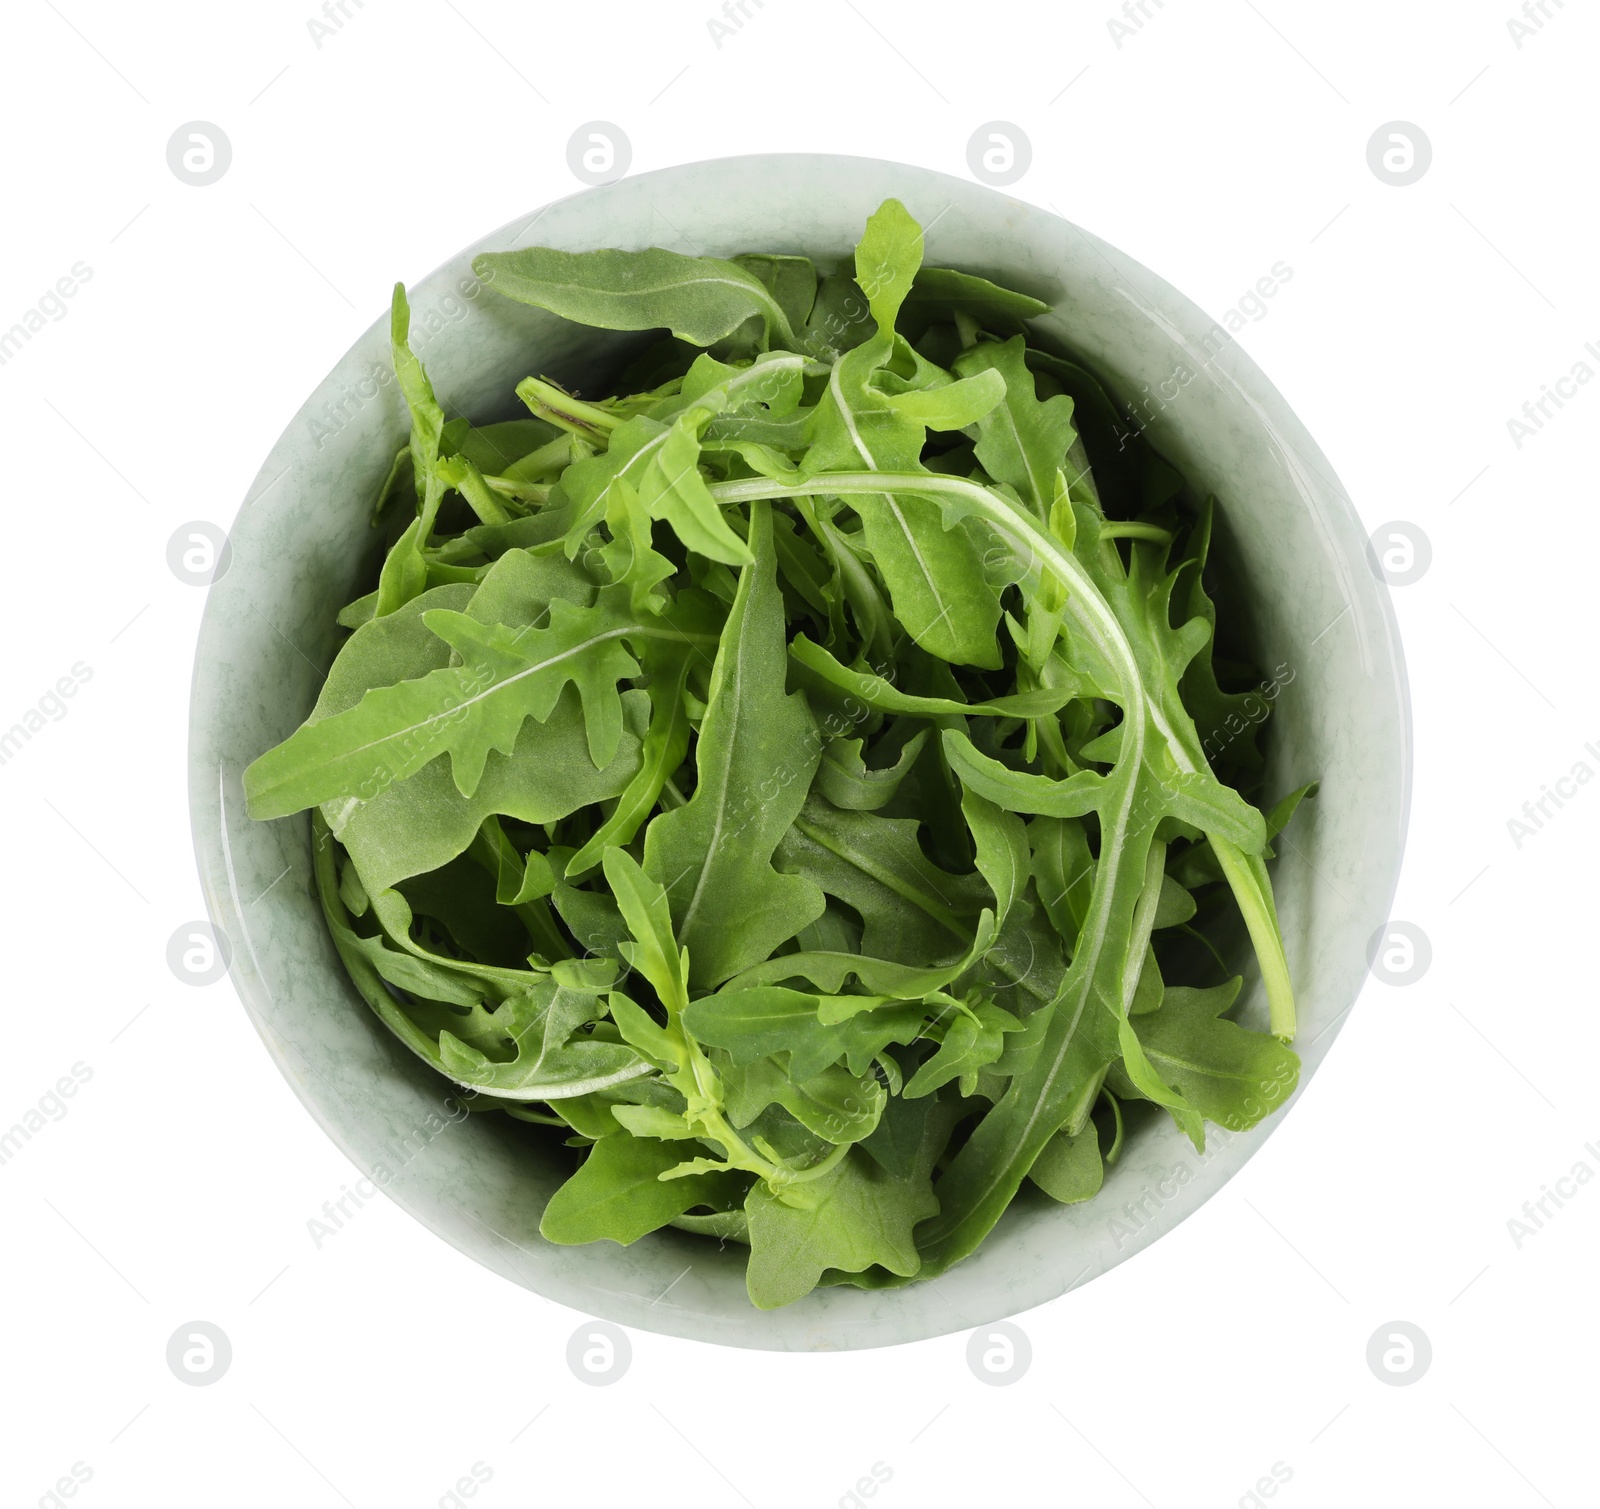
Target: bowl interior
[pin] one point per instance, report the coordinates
(1319, 624)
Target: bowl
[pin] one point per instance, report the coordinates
(1319, 623)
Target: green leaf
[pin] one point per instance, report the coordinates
(419, 824)
(467, 711)
(1226, 1073)
(618, 1193)
(1022, 442)
(757, 752)
(882, 696)
(855, 1216)
(792, 282)
(1001, 842)
(973, 1040)
(405, 573)
(548, 1063)
(953, 405)
(910, 908)
(699, 299)
(935, 575)
(665, 744)
(1019, 791)
(671, 488)
(754, 1022)
(844, 779)
(829, 969)
(1063, 869)
(946, 290)
(653, 1121)
(1070, 1168)
(656, 953)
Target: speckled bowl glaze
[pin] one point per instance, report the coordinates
(301, 547)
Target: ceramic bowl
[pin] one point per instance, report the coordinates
(1318, 620)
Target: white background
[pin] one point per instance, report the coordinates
(1220, 137)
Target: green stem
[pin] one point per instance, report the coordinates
(1263, 927)
(548, 402)
(1129, 529)
(523, 492)
(704, 1109)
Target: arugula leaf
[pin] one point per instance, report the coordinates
(882, 696)
(699, 299)
(756, 755)
(1070, 1168)
(973, 1040)
(935, 576)
(844, 780)
(467, 710)
(405, 572)
(618, 1193)
(1021, 441)
(857, 1216)
(1205, 1066)
(910, 908)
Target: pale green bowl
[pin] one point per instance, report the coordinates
(302, 548)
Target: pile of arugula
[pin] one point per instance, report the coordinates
(786, 779)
